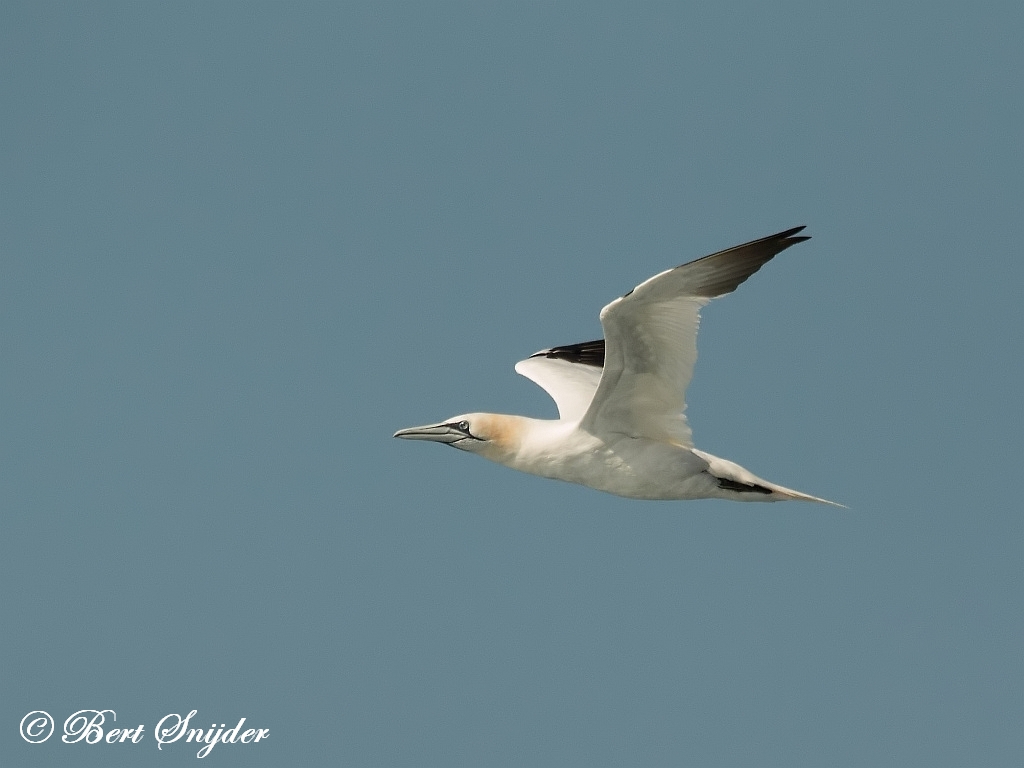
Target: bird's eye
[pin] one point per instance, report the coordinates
(463, 426)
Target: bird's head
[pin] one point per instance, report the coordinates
(489, 434)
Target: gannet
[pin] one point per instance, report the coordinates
(621, 427)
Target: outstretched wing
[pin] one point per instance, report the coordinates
(569, 374)
(651, 341)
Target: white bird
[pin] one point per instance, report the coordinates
(620, 400)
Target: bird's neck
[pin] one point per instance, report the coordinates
(508, 438)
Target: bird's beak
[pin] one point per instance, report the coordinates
(439, 433)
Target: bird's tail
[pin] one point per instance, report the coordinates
(790, 494)
(733, 477)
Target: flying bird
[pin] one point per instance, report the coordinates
(621, 426)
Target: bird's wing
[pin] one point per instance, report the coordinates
(569, 374)
(651, 341)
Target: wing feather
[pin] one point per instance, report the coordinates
(569, 374)
(651, 341)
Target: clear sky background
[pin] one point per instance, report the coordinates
(243, 243)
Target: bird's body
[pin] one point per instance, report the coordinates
(639, 468)
(620, 400)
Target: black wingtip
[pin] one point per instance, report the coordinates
(720, 273)
(778, 242)
(788, 234)
(587, 353)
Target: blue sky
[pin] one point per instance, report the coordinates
(243, 243)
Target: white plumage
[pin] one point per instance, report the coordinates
(621, 425)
